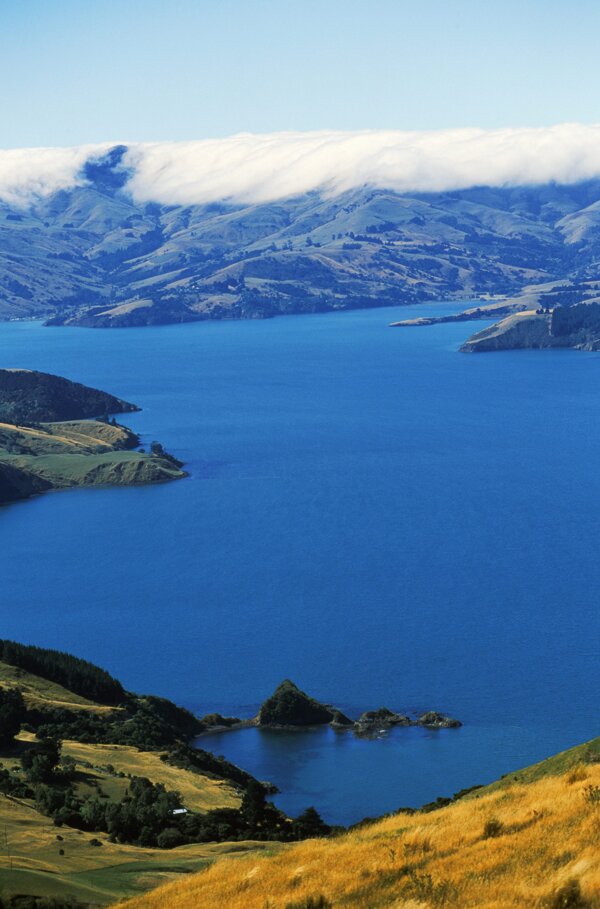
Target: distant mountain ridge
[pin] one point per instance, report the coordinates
(90, 255)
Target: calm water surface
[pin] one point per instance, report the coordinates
(370, 513)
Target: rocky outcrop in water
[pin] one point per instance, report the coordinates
(434, 720)
(289, 706)
(374, 721)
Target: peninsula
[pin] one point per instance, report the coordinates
(56, 434)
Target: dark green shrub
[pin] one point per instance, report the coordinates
(493, 827)
(311, 902)
(568, 897)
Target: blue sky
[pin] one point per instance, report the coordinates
(76, 71)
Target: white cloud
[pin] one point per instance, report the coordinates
(29, 173)
(262, 168)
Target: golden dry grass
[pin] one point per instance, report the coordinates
(549, 833)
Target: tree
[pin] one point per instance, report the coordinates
(310, 824)
(170, 838)
(40, 761)
(12, 714)
(253, 804)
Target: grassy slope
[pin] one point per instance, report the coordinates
(81, 453)
(550, 834)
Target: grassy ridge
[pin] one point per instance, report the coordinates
(529, 842)
(40, 693)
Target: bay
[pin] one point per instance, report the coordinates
(369, 512)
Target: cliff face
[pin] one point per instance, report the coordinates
(518, 331)
(18, 484)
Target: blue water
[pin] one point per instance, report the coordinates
(369, 512)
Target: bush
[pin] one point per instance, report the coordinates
(170, 838)
(311, 902)
(493, 827)
(568, 897)
(12, 715)
(592, 794)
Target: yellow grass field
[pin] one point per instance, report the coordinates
(519, 845)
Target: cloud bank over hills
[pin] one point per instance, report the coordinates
(249, 168)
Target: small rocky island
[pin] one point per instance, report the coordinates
(291, 708)
(55, 433)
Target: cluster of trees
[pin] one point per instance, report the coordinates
(567, 320)
(141, 816)
(12, 715)
(71, 672)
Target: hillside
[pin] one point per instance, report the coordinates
(91, 255)
(102, 793)
(123, 804)
(38, 456)
(530, 840)
(62, 455)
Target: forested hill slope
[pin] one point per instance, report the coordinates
(91, 255)
(31, 396)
